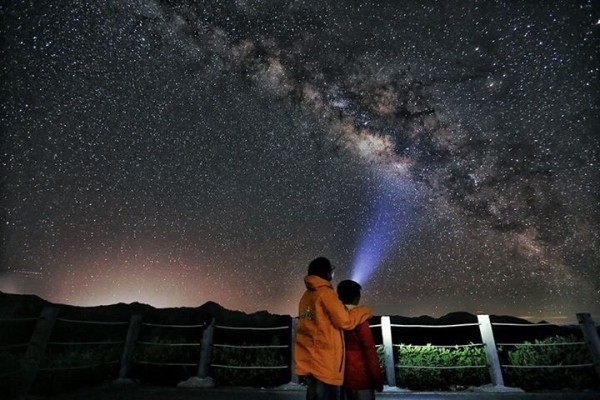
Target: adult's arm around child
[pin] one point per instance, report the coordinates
(339, 314)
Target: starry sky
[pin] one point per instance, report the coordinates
(446, 154)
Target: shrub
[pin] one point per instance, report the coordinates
(548, 352)
(70, 367)
(151, 362)
(431, 356)
(10, 366)
(244, 357)
(166, 351)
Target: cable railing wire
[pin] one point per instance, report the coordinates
(450, 346)
(168, 344)
(523, 325)
(549, 366)
(250, 366)
(18, 319)
(74, 321)
(273, 346)
(439, 367)
(433, 326)
(542, 344)
(85, 343)
(16, 345)
(168, 364)
(79, 366)
(173, 326)
(252, 328)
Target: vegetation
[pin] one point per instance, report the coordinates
(73, 366)
(473, 371)
(165, 361)
(10, 364)
(250, 357)
(548, 352)
(167, 351)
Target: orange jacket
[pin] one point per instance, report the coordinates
(319, 344)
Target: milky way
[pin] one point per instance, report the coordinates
(175, 152)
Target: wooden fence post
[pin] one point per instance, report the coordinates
(206, 350)
(132, 336)
(487, 335)
(294, 378)
(388, 350)
(590, 334)
(36, 350)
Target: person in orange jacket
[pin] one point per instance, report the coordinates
(319, 344)
(362, 375)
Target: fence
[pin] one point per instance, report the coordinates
(250, 347)
(490, 347)
(40, 341)
(541, 344)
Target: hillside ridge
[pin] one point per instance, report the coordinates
(29, 306)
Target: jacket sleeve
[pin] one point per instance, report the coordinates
(339, 314)
(369, 352)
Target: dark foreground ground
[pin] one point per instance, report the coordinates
(138, 392)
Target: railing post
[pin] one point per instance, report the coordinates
(491, 353)
(388, 350)
(202, 379)
(590, 334)
(36, 350)
(132, 336)
(206, 350)
(294, 378)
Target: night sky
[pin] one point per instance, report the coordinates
(446, 154)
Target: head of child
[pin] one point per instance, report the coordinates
(349, 292)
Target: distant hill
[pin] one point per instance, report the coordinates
(25, 306)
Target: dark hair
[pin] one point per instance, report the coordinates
(348, 291)
(320, 267)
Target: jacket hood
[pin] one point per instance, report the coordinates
(314, 282)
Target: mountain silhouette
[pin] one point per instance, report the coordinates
(30, 306)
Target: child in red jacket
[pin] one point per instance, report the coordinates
(362, 375)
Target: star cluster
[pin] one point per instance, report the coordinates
(175, 152)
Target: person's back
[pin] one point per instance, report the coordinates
(362, 376)
(319, 345)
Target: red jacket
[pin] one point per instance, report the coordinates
(362, 365)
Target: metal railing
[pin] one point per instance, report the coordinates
(161, 344)
(40, 339)
(526, 344)
(85, 343)
(253, 347)
(390, 363)
(18, 370)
